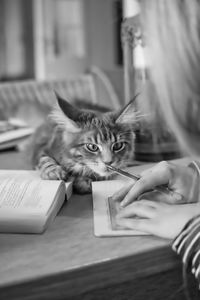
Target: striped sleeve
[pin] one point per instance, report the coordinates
(187, 245)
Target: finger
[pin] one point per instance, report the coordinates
(140, 209)
(136, 224)
(147, 171)
(163, 165)
(156, 196)
(169, 197)
(119, 195)
(152, 204)
(159, 175)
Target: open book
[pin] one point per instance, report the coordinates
(105, 210)
(27, 203)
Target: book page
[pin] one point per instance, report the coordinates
(25, 191)
(105, 210)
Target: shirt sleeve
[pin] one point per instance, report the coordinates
(187, 245)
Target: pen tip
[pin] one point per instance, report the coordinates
(108, 166)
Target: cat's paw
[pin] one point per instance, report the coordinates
(82, 185)
(50, 170)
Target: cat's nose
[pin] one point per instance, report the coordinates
(108, 161)
(107, 157)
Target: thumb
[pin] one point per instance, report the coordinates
(168, 197)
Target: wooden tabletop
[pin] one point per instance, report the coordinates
(68, 257)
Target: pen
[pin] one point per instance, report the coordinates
(123, 173)
(160, 188)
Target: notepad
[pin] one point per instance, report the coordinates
(105, 210)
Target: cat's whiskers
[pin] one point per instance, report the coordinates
(92, 163)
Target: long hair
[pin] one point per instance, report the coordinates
(172, 34)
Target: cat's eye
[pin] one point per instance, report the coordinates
(119, 146)
(92, 147)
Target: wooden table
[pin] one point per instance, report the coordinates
(69, 262)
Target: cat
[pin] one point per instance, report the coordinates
(77, 143)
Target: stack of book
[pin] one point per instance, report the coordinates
(13, 132)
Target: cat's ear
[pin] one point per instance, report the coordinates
(128, 114)
(66, 115)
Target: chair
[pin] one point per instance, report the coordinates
(31, 100)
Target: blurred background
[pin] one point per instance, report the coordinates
(90, 50)
(47, 39)
(58, 38)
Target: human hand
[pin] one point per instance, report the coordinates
(180, 181)
(156, 218)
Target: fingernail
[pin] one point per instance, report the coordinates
(123, 203)
(178, 197)
(114, 197)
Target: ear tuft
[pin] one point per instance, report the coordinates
(68, 109)
(65, 115)
(128, 114)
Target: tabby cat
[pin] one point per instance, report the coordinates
(77, 143)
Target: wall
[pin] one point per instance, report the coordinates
(100, 37)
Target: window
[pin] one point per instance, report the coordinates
(64, 30)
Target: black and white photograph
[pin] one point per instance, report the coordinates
(99, 149)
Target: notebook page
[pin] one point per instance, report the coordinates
(104, 209)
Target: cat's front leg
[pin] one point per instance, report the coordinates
(82, 185)
(50, 169)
